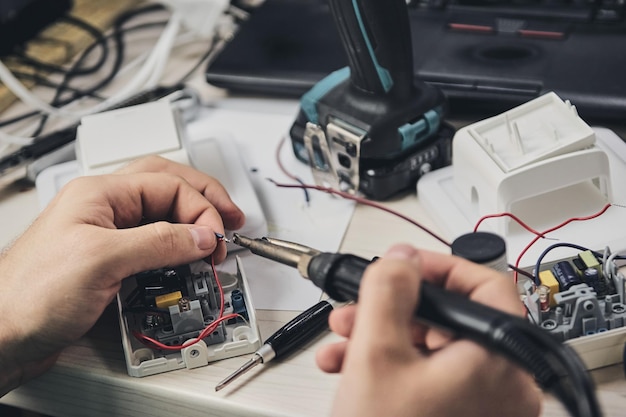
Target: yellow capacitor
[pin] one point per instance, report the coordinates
(166, 300)
(547, 278)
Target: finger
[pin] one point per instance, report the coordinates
(329, 358)
(157, 245)
(211, 188)
(480, 283)
(125, 201)
(341, 320)
(387, 299)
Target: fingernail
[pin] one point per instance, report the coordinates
(401, 252)
(203, 236)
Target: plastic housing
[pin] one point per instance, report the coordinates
(241, 339)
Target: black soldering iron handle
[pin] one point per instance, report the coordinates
(301, 329)
(377, 38)
(339, 275)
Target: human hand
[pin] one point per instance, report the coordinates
(59, 276)
(392, 366)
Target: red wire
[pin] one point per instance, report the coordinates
(204, 333)
(511, 215)
(363, 201)
(552, 229)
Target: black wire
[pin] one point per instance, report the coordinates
(45, 81)
(556, 367)
(559, 245)
(78, 92)
(118, 38)
(99, 40)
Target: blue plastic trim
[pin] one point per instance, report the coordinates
(308, 102)
(383, 73)
(426, 126)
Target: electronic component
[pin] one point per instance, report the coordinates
(585, 307)
(179, 317)
(483, 248)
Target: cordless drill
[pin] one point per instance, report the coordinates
(371, 128)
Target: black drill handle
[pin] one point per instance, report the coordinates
(301, 329)
(377, 38)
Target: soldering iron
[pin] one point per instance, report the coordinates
(555, 366)
(371, 127)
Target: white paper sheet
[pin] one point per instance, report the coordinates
(258, 127)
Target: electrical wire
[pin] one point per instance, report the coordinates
(559, 245)
(204, 333)
(552, 229)
(92, 91)
(117, 36)
(149, 73)
(93, 31)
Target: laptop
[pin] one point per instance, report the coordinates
(485, 55)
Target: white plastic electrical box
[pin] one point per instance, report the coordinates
(541, 162)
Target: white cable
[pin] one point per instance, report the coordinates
(21, 138)
(24, 94)
(145, 74)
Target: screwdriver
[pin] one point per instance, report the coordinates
(296, 333)
(555, 366)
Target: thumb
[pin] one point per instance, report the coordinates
(161, 244)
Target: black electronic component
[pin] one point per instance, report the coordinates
(483, 248)
(566, 275)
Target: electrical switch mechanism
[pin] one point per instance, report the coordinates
(371, 127)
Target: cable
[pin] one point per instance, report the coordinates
(149, 73)
(552, 229)
(87, 27)
(559, 245)
(365, 202)
(117, 36)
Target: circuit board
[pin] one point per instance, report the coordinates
(185, 317)
(581, 300)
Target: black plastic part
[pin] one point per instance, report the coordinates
(301, 329)
(376, 37)
(479, 247)
(382, 179)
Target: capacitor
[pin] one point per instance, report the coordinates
(566, 275)
(592, 278)
(483, 248)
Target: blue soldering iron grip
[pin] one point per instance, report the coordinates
(381, 58)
